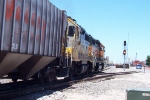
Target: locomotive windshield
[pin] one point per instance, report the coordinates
(71, 31)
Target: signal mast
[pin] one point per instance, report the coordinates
(124, 53)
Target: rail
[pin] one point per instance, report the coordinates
(5, 95)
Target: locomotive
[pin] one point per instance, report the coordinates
(38, 40)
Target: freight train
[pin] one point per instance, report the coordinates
(38, 40)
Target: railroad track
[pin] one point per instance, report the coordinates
(9, 94)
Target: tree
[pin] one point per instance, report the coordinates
(148, 60)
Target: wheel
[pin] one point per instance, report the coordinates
(14, 80)
(88, 69)
(71, 72)
(41, 78)
(102, 66)
(50, 75)
(97, 68)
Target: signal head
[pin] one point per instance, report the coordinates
(124, 43)
(124, 52)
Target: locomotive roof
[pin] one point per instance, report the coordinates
(72, 21)
(102, 45)
(82, 29)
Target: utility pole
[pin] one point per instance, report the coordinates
(124, 53)
(128, 49)
(136, 57)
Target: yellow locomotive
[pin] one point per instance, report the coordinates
(82, 50)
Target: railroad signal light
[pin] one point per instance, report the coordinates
(124, 52)
(124, 43)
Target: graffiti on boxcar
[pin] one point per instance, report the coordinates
(33, 19)
(43, 30)
(39, 22)
(18, 13)
(26, 16)
(9, 9)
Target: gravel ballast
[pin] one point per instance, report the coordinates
(113, 89)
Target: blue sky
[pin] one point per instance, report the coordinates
(112, 22)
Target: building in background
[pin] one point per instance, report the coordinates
(135, 62)
(107, 59)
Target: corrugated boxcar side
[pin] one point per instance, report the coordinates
(31, 27)
(47, 34)
(54, 31)
(1, 16)
(63, 30)
(60, 35)
(51, 30)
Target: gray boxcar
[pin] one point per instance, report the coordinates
(30, 30)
